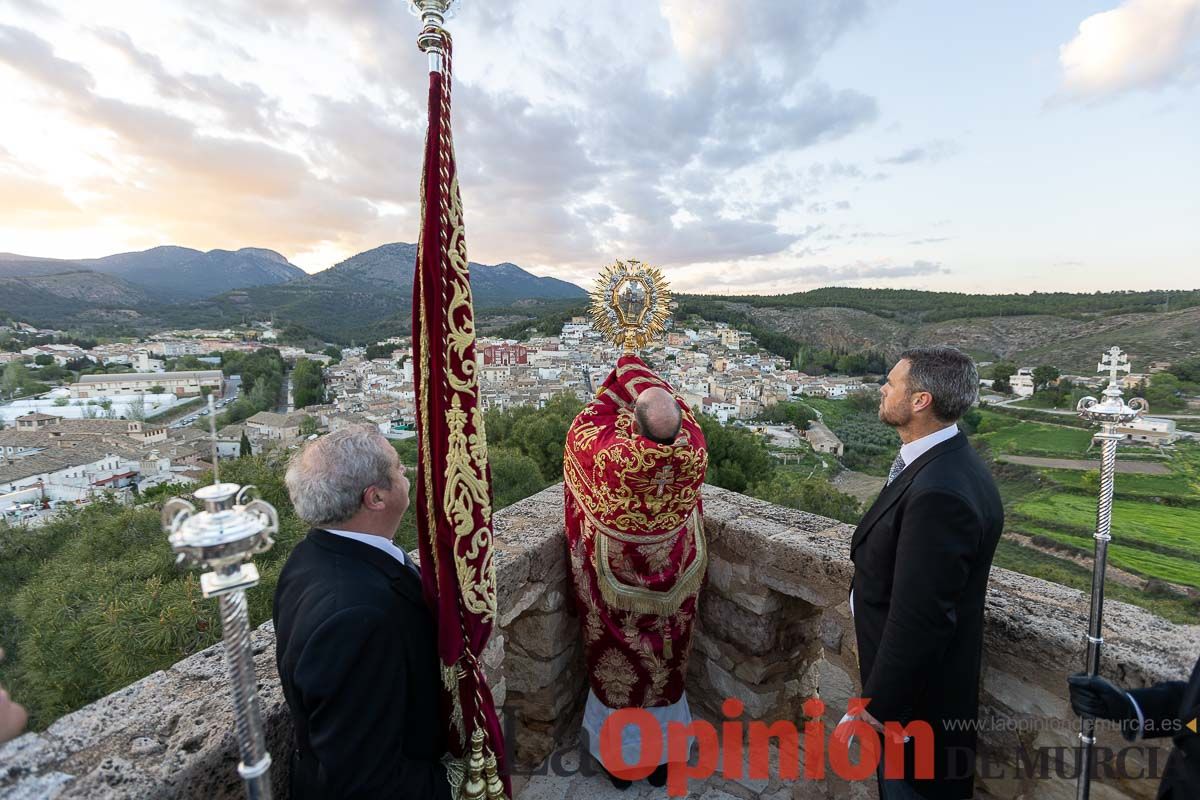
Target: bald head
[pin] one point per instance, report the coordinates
(657, 414)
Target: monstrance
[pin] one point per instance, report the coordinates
(631, 304)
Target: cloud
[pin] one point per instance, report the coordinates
(579, 138)
(746, 278)
(189, 186)
(244, 107)
(1141, 44)
(932, 152)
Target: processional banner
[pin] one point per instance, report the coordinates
(453, 483)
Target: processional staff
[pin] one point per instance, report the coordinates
(233, 527)
(1110, 413)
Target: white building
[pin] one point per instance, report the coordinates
(1022, 382)
(1150, 430)
(177, 383)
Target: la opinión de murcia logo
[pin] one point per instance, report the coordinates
(727, 750)
(738, 749)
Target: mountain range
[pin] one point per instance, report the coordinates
(178, 285)
(369, 297)
(169, 274)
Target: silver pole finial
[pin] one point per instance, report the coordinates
(433, 14)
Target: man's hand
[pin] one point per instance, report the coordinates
(1096, 697)
(12, 717)
(842, 732)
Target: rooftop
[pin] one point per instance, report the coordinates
(130, 377)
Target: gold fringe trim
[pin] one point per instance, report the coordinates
(639, 599)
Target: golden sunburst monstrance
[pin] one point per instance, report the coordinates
(630, 304)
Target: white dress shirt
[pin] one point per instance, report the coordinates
(386, 545)
(915, 449)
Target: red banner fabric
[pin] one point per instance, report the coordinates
(453, 483)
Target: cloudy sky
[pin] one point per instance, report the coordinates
(744, 145)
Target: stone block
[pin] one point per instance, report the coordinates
(723, 619)
(832, 632)
(762, 702)
(545, 635)
(526, 673)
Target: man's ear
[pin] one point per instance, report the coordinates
(921, 401)
(371, 500)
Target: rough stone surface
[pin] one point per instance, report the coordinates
(775, 629)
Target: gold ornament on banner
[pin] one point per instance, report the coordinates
(631, 304)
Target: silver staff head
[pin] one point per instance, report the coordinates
(234, 525)
(1112, 410)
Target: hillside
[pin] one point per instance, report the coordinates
(179, 274)
(1072, 342)
(371, 293)
(52, 298)
(169, 274)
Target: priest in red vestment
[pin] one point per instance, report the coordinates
(633, 466)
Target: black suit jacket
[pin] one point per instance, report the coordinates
(357, 656)
(921, 557)
(1168, 708)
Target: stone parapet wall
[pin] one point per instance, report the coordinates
(774, 630)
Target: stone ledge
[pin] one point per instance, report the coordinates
(170, 734)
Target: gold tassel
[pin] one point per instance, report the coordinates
(495, 787)
(474, 787)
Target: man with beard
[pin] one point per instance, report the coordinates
(921, 557)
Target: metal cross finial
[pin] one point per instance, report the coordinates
(1112, 362)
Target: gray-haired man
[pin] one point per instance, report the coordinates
(921, 557)
(355, 643)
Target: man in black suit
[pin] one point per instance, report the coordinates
(355, 642)
(1165, 709)
(921, 557)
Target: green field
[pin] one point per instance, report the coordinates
(1133, 521)
(1018, 437)
(1011, 555)
(1129, 557)
(1156, 518)
(1140, 486)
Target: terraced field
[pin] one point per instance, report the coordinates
(1133, 521)
(1127, 554)
(1134, 486)
(1037, 439)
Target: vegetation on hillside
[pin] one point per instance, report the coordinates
(925, 306)
(262, 382)
(308, 383)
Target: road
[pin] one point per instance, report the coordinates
(233, 386)
(1128, 467)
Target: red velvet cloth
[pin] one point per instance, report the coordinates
(636, 544)
(453, 484)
